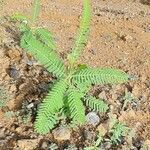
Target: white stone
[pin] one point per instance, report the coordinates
(92, 118)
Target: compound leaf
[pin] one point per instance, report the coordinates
(46, 56)
(76, 106)
(82, 34)
(100, 76)
(36, 10)
(118, 130)
(52, 103)
(96, 104)
(45, 37)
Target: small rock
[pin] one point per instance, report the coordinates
(53, 146)
(62, 134)
(7, 77)
(44, 145)
(102, 95)
(22, 86)
(101, 129)
(11, 104)
(114, 95)
(89, 45)
(106, 146)
(19, 130)
(27, 144)
(3, 75)
(31, 105)
(14, 54)
(89, 135)
(2, 133)
(125, 37)
(12, 88)
(137, 91)
(43, 87)
(29, 62)
(92, 118)
(13, 73)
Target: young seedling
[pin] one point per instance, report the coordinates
(73, 80)
(97, 143)
(128, 98)
(118, 131)
(9, 114)
(4, 97)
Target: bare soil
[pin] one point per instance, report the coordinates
(119, 38)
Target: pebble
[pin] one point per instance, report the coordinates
(12, 88)
(89, 135)
(13, 73)
(31, 105)
(106, 146)
(29, 62)
(13, 54)
(44, 145)
(11, 104)
(102, 95)
(102, 129)
(27, 144)
(62, 134)
(89, 45)
(43, 87)
(19, 129)
(2, 133)
(92, 118)
(22, 86)
(3, 74)
(7, 77)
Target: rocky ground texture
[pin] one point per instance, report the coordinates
(119, 38)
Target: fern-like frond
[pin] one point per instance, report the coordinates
(76, 106)
(96, 104)
(45, 123)
(45, 37)
(82, 34)
(100, 76)
(19, 17)
(49, 107)
(36, 10)
(43, 54)
(83, 87)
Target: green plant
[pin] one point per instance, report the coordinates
(146, 145)
(127, 98)
(9, 114)
(112, 120)
(26, 113)
(73, 80)
(97, 143)
(4, 96)
(118, 131)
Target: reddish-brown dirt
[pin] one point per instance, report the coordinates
(119, 38)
